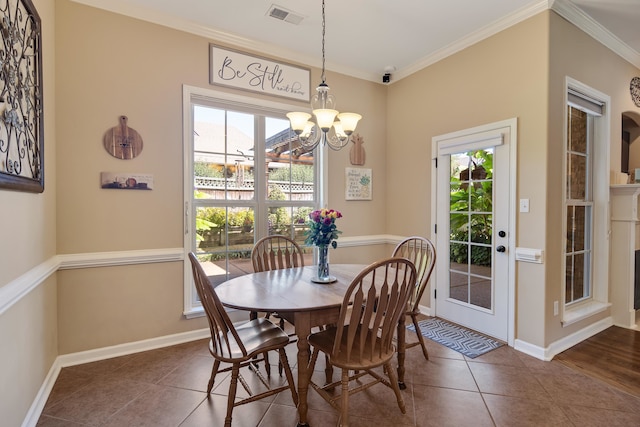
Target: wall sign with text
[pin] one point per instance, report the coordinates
(358, 185)
(256, 74)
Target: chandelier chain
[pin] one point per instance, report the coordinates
(323, 31)
(324, 128)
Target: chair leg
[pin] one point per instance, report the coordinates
(344, 405)
(393, 379)
(214, 371)
(414, 319)
(253, 315)
(267, 366)
(280, 362)
(235, 371)
(287, 371)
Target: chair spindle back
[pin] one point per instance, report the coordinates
(371, 308)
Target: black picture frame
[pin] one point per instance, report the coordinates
(21, 105)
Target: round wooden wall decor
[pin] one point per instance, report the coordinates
(122, 142)
(634, 88)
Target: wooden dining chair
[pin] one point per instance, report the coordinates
(422, 253)
(238, 345)
(275, 252)
(362, 339)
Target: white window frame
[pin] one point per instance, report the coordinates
(598, 300)
(192, 307)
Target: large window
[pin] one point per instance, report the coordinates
(586, 203)
(579, 205)
(247, 177)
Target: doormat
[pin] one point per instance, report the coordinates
(457, 338)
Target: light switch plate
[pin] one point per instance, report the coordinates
(524, 205)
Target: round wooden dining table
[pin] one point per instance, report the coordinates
(295, 297)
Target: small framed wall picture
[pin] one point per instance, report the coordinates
(358, 184)
(126, 181)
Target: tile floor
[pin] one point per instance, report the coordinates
(166, 387)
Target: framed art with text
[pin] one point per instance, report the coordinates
(21, 107)
(358, 184)
(240, 70)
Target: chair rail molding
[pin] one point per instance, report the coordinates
(20, 287)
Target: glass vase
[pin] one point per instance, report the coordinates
(323, 275)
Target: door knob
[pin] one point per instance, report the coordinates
(501, 233)
(501, 248)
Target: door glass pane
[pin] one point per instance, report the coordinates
(471, 227)
(459, 226)
(480, 292)
(459, 286)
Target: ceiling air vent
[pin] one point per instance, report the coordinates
(283, 14)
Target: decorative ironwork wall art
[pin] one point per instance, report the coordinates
(21, 107)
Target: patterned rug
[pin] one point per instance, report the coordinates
(457, 338)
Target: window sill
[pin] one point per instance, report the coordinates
(199, 312)
(194, 313)
(580, 312)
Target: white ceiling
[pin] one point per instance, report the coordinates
(366, 38)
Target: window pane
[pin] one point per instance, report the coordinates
(290, 169)
(219, 228)
(577, 274)
(223, 143)
(577, 131)
(577, 177)
(579, 233)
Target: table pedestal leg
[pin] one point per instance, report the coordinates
(303, 329)
(401, 349)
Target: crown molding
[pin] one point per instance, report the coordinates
(577, 17)
(564, 8)
(123, 7)
(475, 37)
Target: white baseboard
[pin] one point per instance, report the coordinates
(562, 344)
(33, 415)
(130, 348)
(81, 357)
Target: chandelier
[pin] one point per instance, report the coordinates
(323, 127)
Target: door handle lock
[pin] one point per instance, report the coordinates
(501, 248)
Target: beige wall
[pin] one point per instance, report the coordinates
(99, 65)
(110, 65)
(28, 329)
(520, 73)
(574, 54)
(499, 78)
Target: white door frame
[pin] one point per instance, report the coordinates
(512, 124)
